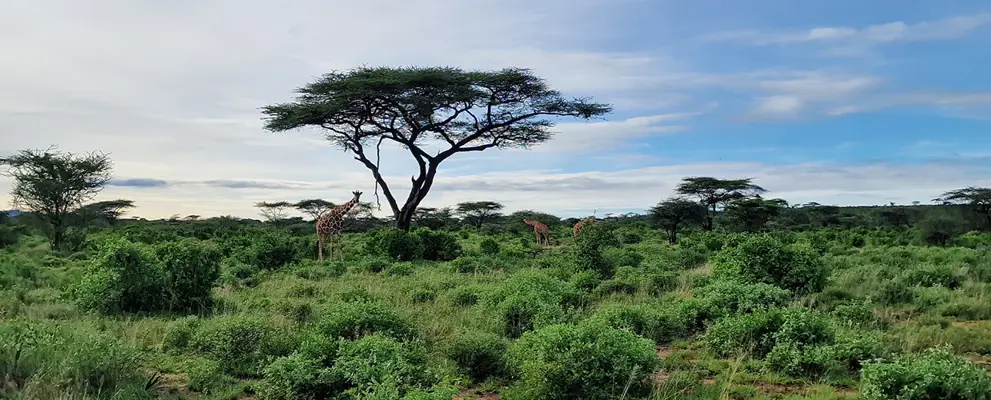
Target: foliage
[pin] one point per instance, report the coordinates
(437, 245)
(354, 320)
(763, 258)
(934, 374)
(190, 270)
(479, 355)
(465, 110)
(124, 277)
(674, 214)
(587, 361)
(478, 212)
(713, 193)
(53, 184)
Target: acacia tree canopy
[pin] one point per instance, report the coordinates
(457, 110)
(977, 198)
(274, 211)
(712, 193)
(674, 214)
(53, 184)
(477, 212)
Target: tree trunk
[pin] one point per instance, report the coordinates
(421, 186)
(673, 236)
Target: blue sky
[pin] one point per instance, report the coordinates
(840, 102)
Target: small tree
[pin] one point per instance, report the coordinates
(433, 218)
(313, 207)
(674, 214)
(753, 214)
(274, 211)
(979, 199)
(106, 211)
(478, 212)
(53, 184)
(713, 193)
(458, 111)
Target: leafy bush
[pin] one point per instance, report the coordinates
(763, 258)
(396, 244)
(934, 374)
(438, 245)
(298, 377)
(479, 355)
(205, 375)
(9, 236)
(464, 296)
(123, 277)
(377, 360)
(179, 333)
(588, 251)
(240, 344)
(273, 250)
(586, 361)
(489, 246)
(191, 270)
(752, 333)
(658, 323)
(55, 360)
(355, 320)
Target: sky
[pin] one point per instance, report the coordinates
(844, 102)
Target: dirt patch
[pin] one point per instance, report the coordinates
(173, 384)
(664, 351)
(468, 393)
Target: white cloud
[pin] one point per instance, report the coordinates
(946, 28)
(579, 137)
(778, 105)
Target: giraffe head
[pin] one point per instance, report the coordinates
(356, 194)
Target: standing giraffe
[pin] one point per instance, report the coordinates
(330, 224)
(580, 224)
(540, 230)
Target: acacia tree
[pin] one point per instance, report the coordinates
(274, 211)
(108, 211)
(753, 213)
(713, 193)
(53, 184)
(477, 212)
(458, 111)
(313, 207)
(674, 214)
(979, 199)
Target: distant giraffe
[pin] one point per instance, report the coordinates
(540, 230)
(330, 224)
(581, 224)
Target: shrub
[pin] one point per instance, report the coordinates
(53, 360)
(438, 245)
(9, 236)
(205, 375)
(522, 312)
(240, 344)
(377, 359)
(124, 277)
(658, 323)
(489, 246)
(355, 320)
(934, 374)
(586, 361)
(479, 355)
(938, 231)
(464, 296)
(396, 244)
(747, 332)
(191, 270)
(374, 264)
(763, 258)
(179, 333)
(404, 268)
(423, 295)
(298, 377)
(929, 275)
(588, 251)
(273, 250)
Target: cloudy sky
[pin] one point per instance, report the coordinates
(840, 102)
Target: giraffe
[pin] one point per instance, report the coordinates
(329, 224)
(580, 224)
(540, 230)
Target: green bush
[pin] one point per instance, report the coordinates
(765, 259)
(656, 322)
(934, 374)
(9, 236)
(464, 296)
(273, 250)
(752, 333)
(191, 270)
(479, 355)
(205, 375)
(123, 277)
(438, 245)
(179, 333)
(396, 244)
(587, 251)
(355, 320)
(378, 360)
(489, 247)
(240, 344)
(298, 377)
(586, 361)
(53, 360)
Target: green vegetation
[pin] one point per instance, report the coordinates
(715, 294)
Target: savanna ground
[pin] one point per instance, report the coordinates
(225, 309)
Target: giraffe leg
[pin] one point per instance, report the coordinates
(320, 247)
